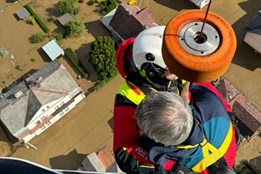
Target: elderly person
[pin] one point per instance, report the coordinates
(198, 136)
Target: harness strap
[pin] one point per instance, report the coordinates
(211, 154)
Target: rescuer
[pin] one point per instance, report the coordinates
(139, 61)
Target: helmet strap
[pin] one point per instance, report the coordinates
(132, 65)
(152, 74)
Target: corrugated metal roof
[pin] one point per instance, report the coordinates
(64, 19)
(22, 14)
(53, 50)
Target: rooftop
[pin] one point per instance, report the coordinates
(46, 85)
(53, 50)
(128, 20)
(64, 19)
(22, 14)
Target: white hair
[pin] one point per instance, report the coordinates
(165, 118)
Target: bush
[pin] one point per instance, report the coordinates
(67, 6)
(59, 36)
(101, 83)
(18, 67)
(32, 59)
(38, 19)
(74, 28)
(51, 19)
(37, 37)
(30, 20)
(76, 62)
(11, 1)
(90, 2)
(5, 90)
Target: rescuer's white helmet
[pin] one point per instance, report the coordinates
(147, 48)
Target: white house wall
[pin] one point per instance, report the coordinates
(53, 118)
(40, 115)
(46, 107)
(58, 116)
(28, 138)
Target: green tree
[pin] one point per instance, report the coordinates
(37, 37)
(67, 6)
(74, 28)
(107, 5)
(102, 57)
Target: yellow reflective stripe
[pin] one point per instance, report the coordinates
(186, 146)
(149, 167)
(214, 156)
(169, 84)
(124, 148)
(126, 91)
(153, 89)
(183, 82)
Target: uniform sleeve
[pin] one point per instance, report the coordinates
(130, 157)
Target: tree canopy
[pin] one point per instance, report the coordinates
(107, 5)
(67, 6)
(74, 28)
(102, 57)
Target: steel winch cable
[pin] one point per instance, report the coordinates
(205, 20)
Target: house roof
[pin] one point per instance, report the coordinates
(128, 20)
(146, 18)
(107, 19)
(53, 50)
(125, 24)
(22, 13)
(64, 19)
(254, 25)
(32, 96)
